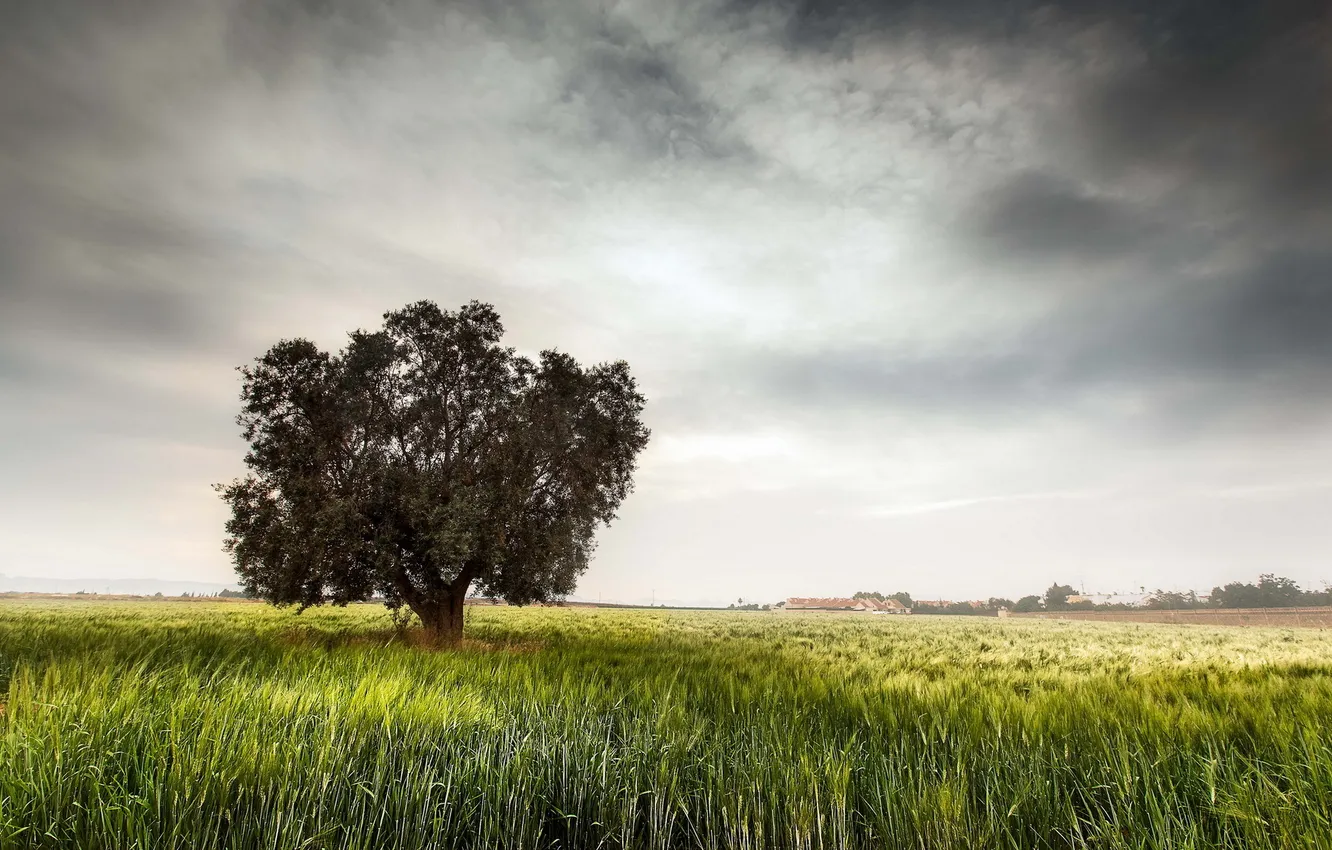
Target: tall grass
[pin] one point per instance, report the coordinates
(202, 725)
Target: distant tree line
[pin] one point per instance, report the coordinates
(742, 605)
(1271, 591)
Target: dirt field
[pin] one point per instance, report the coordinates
(1319, 618)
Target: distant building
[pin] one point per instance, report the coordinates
(851, 606)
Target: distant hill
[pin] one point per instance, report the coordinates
(126, 586)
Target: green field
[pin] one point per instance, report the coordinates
(208, 725)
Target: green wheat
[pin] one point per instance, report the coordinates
(228, 725)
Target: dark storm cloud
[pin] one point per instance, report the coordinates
(1190, 157)
(640, 102)
(1234, 94)
(1249, 110)
(1187, 359)
(831, 25)
(1217, 97)
(1041, 215)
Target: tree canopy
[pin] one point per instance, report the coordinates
(425, 459)
(1056, 596)
(1271, 591)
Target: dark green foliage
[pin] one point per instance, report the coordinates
(1270, 592)
(1057, 595)
(424, 459)
(1173, 601)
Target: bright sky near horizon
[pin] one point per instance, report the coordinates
(948, 296)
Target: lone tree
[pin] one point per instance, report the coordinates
(423, 460)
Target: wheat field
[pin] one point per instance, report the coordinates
(155, 725)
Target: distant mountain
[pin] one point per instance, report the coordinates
(129, 586)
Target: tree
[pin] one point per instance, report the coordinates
(960, 609)
(1270, 592)
(1278, 591)
(1027, 604)
(1318, 597)
(905, 598)
(997, 602)
(424, 459)
(1171, 600)
(868, 594)
(1057, 596)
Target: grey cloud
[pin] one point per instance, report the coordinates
(740, 194)
(638, 100)
(54, 400)
(832, 25)
(1037, 214)
(1235, 94)
(107, 269)
(1248, 108)
(1189, 358)
(272, 38)
(1213, 32)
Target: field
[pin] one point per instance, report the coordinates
(1319, 618)
(215, 725)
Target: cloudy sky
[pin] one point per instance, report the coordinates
(954, 296)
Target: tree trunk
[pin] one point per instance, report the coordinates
(441, 613)
(451, 625)
(442, 617)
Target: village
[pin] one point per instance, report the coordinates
(903, 604)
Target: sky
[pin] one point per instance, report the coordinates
(955, 297)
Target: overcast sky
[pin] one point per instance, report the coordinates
(957, 297)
